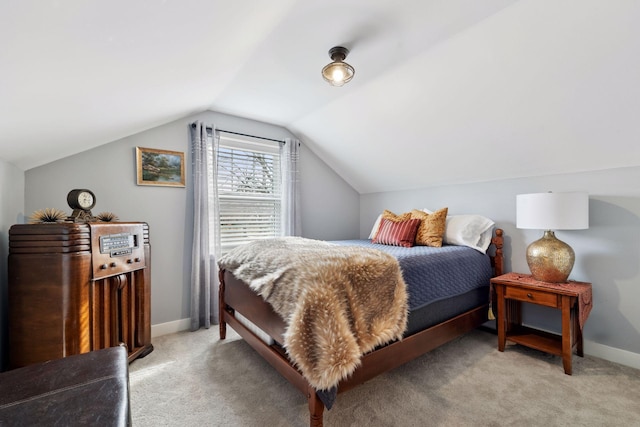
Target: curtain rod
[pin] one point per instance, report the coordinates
(251, 136)
(245, 134)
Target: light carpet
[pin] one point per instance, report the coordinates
(194, 379)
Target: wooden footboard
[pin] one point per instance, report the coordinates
(235, 295)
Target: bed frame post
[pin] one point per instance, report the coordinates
(498, 259)
(222, 306)
(316, 408)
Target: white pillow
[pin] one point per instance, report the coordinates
(474, 231)
(376, 225)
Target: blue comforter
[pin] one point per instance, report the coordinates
(432, 274)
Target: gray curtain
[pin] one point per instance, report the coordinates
(289, 156)
(204, 271)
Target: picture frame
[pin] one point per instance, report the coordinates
(159, 167)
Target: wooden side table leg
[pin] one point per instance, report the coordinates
(316, 408)
(500, 319)
(566, 334)
(577, 331)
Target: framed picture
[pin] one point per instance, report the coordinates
(160, 167)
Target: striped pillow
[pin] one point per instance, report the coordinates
(390, 216)
(397, 233)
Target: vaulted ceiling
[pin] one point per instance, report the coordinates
(445, 91)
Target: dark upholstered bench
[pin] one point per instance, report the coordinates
(85, 389)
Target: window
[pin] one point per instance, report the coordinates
(249, 193)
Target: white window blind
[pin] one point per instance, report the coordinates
(249, 193)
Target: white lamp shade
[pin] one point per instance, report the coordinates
(553, 211)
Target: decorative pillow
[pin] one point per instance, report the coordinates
(397, 233)
(474, 231)
(393, 217)
(390, 216)
(432, 227)
(376, 225)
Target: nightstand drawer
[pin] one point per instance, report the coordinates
(536, 297)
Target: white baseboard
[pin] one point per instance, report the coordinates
(170, 327)
(612, 354)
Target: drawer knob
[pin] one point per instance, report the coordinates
(529, 295)
(113, 264)
(103, 267)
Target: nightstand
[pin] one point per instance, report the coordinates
(572, 298)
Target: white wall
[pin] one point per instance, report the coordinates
(109, 171)
(11, 205)
(607, 254)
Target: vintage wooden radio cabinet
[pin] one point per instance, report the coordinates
(77, 287)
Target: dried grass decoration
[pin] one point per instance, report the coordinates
(47, 215)
(107, 217)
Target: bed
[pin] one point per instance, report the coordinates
(431, 320)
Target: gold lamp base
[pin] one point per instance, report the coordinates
(550, 259)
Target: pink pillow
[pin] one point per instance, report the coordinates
(397, 233)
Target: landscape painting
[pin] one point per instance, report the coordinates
(159, 167)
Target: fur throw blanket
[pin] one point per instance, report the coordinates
(338, 302)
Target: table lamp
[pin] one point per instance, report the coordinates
(550, 259)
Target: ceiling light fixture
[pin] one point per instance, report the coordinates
(338, 72)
